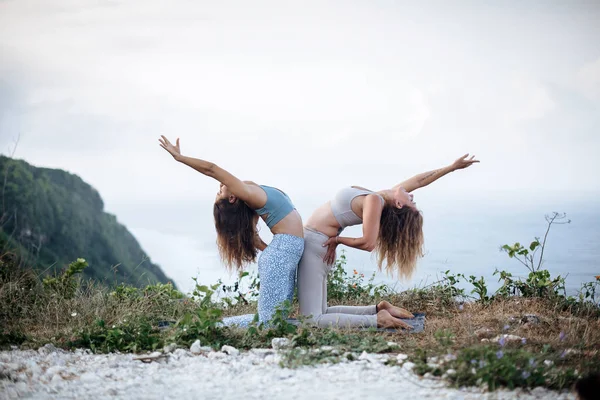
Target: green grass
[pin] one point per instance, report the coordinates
(74, 313)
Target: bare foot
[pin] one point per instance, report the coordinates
(393, 310)
(385, 320)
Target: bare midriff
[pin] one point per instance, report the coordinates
(323, 220)
(291, 224)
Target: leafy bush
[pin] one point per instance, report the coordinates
(233, 293)
(129, 335)
(65, 285)
(204, 322)
(495, 367)
(340, 286)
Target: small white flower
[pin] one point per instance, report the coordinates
(124, 320)
(73, 314)
(113, 327)
(185, 329)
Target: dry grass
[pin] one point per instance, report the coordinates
(445, 314)
(32, 313)
(43, 316)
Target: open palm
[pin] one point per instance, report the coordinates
(168, 146)
(464, 162)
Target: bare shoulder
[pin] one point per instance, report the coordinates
(256, 196)
(373, 199)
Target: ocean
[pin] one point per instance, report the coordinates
(463, 239)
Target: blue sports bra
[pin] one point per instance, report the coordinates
(278, 205)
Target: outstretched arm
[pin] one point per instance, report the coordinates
(249, 193)
(424, 179)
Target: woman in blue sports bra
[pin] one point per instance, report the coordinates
(238, 205)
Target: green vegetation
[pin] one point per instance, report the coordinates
(49, 217)
(528, 333)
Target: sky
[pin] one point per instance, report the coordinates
(306, 96)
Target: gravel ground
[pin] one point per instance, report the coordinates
(56, 374)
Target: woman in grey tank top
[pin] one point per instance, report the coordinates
(392, 227)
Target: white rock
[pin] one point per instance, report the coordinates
(54, 370)
(285, 374)
(507, 338)
(379, 357)
(21, 387)
(539, 392)
(281, 343)
(232, 351)
(570, 352)
(273, 359)
(262, 353)
(9, 367)
(33, 369)
(408, 366)
(327, 348)
(170, 348)
(216, 355)
(47, 349)
(195, 347)
(392, 344)
(88, 376)
(449, 357)
(252, 374)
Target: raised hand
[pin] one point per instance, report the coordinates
(168, 146)
(463, 162)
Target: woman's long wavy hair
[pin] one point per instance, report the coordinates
(400, 240)
(236, 228)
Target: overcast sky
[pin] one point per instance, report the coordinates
(307, 96)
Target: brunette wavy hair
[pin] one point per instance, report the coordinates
(236, 229)
(400, 240)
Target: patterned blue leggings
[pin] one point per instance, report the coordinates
(277, 267)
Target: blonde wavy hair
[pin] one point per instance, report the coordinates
(400, 240)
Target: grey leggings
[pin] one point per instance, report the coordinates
(312, 289)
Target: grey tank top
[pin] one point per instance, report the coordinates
(341, 205)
